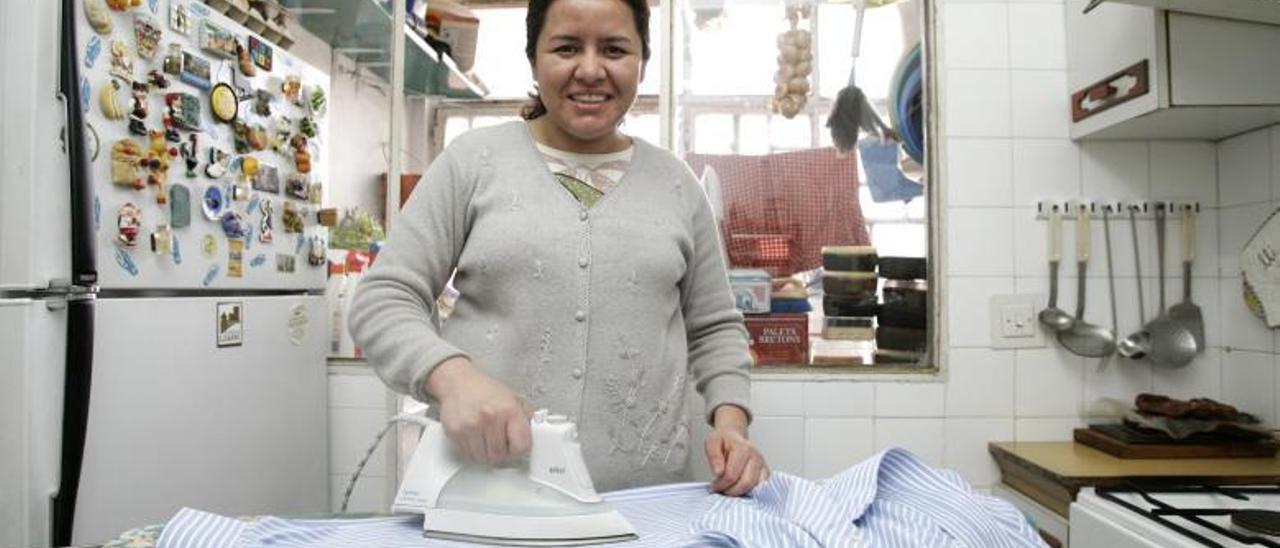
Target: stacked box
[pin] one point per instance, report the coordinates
(849, 287)
(778, 324)
(903, 318)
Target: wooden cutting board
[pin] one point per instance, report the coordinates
(1051, 473)
(1120, 444)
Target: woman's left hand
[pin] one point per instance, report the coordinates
(737, 464)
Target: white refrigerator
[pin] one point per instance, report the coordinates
(135, 380)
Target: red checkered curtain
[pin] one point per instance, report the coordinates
(780, 209)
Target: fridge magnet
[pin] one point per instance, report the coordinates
(315, 255)
(99, 18)
(128, 224)
(162, 240)
(217, 40)
(280, 136)
(179, 206)
(126, 262)
(260, 52)
(223, 103)
(154, 5)
(247, 241)
(195, 70)
(138, 110)
(242, 85)
(298, 242)
(97, 213)
(190, 154)
(292, 219)
(123, 5)
(318, 102)
(262, 102)
(184, 110)
(245, 62)
(211, 274)
(92, 51)
(258, 260)
(249, 138)
(172, 63)
(208, 246)
(266, 232)
(297, 186)
(240, 191)
(214, 201)
(121, 61)
(147, 33)
(235, 258)
(297, 324)
(292, 89)
(233, 225)
(253, 205)
(267, 179)
(230, 320)
(327, 217)
(284, 263)
(218, 163)
(158, 156)
(315, 194)
(247, 166)
(179, 18)
(177, 251)
(307, 126)
(109, 101)
(126, 156)
(301, 156)
(157, 80)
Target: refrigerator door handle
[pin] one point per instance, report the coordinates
(75, 414)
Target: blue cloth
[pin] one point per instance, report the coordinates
(884, 179)
(890, 500)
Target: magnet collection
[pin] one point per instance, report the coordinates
(150, 72)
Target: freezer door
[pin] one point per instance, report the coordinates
(32, 339)
(34, 197)
(175, 420)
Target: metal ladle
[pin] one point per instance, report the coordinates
(1085, 339)
(1172, 344)
(1136, 344)
(1056, 319)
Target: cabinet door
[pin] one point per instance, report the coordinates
(1217, 61)
(1104, 42)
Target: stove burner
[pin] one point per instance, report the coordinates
(1258, 521)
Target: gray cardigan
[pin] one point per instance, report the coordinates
(602, 314)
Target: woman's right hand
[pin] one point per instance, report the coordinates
(485, 419)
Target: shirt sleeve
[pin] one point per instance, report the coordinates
(719, 359)
(393, 314)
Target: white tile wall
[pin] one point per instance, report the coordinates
(977, 103)
(988, 164)
(910, 399)
(1036, 37)
(966, 447)
(1039, 103)
(975, 35)
(924, 437)
(357, 412)
(832, 445)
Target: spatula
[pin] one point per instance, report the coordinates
(1186, 313)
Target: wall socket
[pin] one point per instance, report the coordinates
(1014, 323)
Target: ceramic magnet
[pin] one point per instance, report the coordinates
(128, 224)
(147, 33)
(179, 206)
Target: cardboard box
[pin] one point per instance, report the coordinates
(779, 339)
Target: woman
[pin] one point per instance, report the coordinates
(589, 270)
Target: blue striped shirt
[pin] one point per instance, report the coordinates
(889, 500)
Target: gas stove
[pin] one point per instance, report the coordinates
(1171, 517)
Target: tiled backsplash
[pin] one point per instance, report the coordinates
(1006, 145)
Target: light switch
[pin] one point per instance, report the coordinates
(1013, 321)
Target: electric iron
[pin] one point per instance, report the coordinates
(546, 499)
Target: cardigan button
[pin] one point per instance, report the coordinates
(582, 215)
(576, 373)
(583, 262)
(580, 315)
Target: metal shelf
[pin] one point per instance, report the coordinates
(361, 29)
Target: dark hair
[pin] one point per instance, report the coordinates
(536, 18)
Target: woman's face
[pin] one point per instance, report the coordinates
(587, 64)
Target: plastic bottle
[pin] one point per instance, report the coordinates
(355, 266)
(334, 295)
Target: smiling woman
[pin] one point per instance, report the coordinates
(590, 275)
